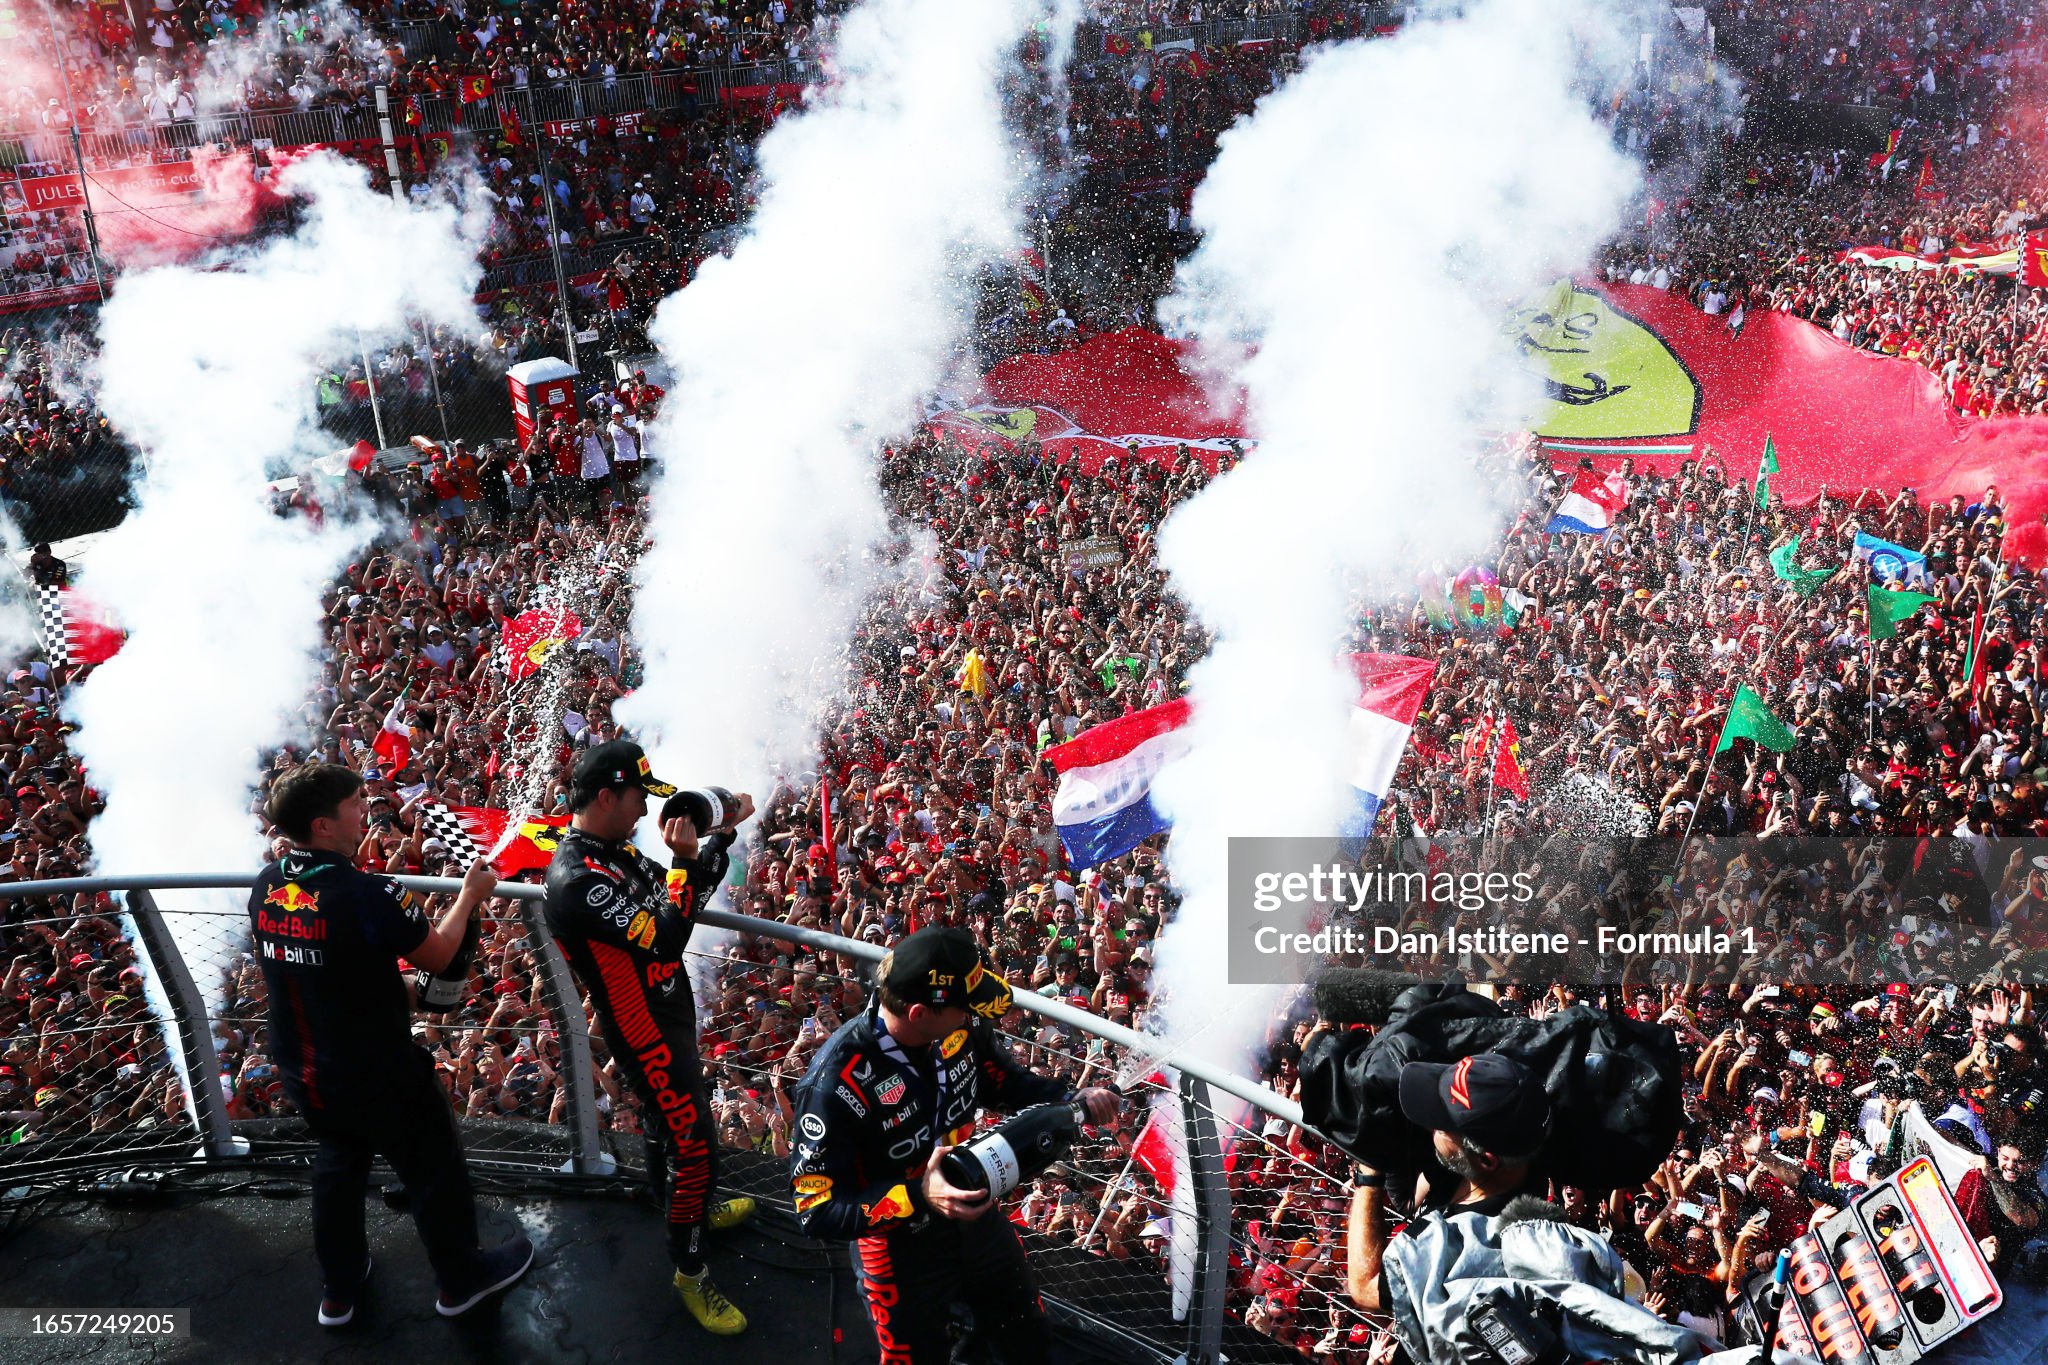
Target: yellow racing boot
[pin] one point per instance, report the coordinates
(713, 1311)
(731, 1213)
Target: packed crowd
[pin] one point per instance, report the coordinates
(1617, 676)
(1969, 171)
(186, 58)
(1919, 58)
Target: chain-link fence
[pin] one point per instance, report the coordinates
(93, 1071)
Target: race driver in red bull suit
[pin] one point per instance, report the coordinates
(894, 1089)
(623, 922)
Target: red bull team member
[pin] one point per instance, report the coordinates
(890, 1093)
(328, 939)
(624, 922)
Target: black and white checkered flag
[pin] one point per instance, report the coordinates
(50, 624)
(438, 822)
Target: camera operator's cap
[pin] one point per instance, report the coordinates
(1488, 1098)
(942, 967)
(616, 764)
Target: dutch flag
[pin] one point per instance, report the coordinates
(1589, 508)
(1103, 806)
(1390, 692)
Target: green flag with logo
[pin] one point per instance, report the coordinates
(1805, 582)
(1888, 607)
(1764, 469)
(1749, 718)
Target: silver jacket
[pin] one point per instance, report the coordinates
(1561, 1275)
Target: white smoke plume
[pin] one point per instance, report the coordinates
(1063, 19)
(292, 51)
(839, 309)
(211, 373)
(1365, 232)
(18, 606)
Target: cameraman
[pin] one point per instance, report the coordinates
(328, 939)
(885, 1098)
(1487, 1117)
(624, 924)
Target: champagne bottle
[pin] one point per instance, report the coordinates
(442, 991)
(1017, 1150)
(707, 807)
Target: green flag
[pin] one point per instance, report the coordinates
(1764, 469)
(1889, 607)
(1130, 666)
(1749, 718)
(1805, 582)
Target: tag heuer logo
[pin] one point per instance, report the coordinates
(891, 1090)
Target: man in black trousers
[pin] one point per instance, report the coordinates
(328, 938)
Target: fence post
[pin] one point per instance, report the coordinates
(188, 1016)
(1212, 1214)
(589, 1157)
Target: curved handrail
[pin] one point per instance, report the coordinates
(1160, 1050)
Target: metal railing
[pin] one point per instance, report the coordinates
(528, 1071)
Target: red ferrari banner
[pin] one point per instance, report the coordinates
(472, 831)
(77, 629)
(533, 635)
(1638, 372)
(2034, 260)
(474, 89)
(1629, 371)
(1113, 391)
(1923, 188)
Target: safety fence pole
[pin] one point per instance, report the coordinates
(154, 944)
(1212, 1216)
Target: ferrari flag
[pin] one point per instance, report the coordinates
(471, 831)
(531, 636)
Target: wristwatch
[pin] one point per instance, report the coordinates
(1364, 1177)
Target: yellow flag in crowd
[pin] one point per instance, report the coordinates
(974, 674)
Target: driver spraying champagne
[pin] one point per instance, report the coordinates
(624, 924)
(879, 1115)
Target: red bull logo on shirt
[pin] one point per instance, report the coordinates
(293, 899)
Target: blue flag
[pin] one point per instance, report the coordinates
(1891, 563)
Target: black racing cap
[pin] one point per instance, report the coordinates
(1488, 1098)
(617, 764)
(942, 967)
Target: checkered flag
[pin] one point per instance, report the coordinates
(75, 629)
(50, 625)
(438, 822)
